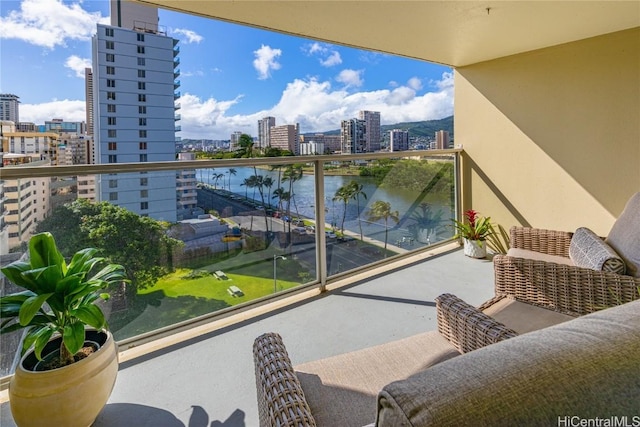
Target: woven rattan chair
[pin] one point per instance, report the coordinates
(564, 288)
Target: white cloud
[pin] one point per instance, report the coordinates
(350, 78)
(188, 36)
(68, 110)
(326, 56)
(197, 73)
(313, 103)
(49, 23)
(415, 83)
(78, 64)
(266, 60)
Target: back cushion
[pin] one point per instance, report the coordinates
(624, 236)
(590, 251)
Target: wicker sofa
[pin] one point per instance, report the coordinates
(429, 378)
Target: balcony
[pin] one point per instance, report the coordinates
(176, 106)
(176, 50)
(176, 84)
(176, 95)
(176, 73)
(176, 62)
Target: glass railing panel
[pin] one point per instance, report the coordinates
(377, 209)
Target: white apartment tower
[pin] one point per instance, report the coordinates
(88, 99)
(264, 131)
(234, 142)
(134, 83)
(352, 133)
(398, 140)
(371, 129)
(10, 107)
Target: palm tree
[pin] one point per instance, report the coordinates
(246, 183)
(356, 192)
(343, 194)
(232, 171)
(292, 174)
(382, 210)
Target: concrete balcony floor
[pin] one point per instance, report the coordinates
(208, 379)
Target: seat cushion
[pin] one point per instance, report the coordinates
(590, 251)
(538, 256)
(342, 390)
(522, 317)
(588, 366)
(624, 236)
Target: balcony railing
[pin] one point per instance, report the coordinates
(279, 226)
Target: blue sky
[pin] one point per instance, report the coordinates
(231, 75)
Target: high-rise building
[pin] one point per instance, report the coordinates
(88, 97)
(134, 83)
(398, 140)
(10, 107)
(186, 194)
(442, 140)
(264, 131)
(371, 129)
(285, 137)
(60, 126)
(352, 136)
(330, 143)
(235, 140)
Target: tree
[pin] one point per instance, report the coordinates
(292, 174)
(356, 192)
(382, 210)
(246, 145)
(343, 194)
(232, 172)
(138, 243)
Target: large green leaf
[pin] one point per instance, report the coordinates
(82, 261)
(43, 252)
(14, 272)
(10, 304)
(73, 337)
(91, 315)
(41, 341)
(44, 278)
(30, 307)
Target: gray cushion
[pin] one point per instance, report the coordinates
(341, 390)
(590, 251)
(624, 236)
(538, 256)
(588, 367)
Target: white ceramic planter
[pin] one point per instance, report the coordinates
(70, 396)
(475, 248)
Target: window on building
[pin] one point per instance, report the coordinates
(111, 70)
(142, 109)
(142, 85)
(113, 196)
(144, 182)
(141, 61)
(140, 49)
(142, 121)
(109, 44)
(112, 146)
(144, 206)
(113, 158)
(111, 95)
(142, 146)
(111, 121)
(143, 158)
(113, 183)
(111, 108)
(111, 133)
(111, 57)
(111, 83)
(144, 193)
(141, 73)
(108, 32)
(142, 133)
(142, 97)
(140, 37)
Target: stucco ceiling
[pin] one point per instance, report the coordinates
(454, 33)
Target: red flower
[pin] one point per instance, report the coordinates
(471, 217)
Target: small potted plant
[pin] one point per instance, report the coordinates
(474, 230)
(68, 376)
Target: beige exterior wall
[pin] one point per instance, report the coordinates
(552, 137)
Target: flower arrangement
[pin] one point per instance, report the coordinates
(473, 227)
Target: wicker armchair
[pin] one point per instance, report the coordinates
(564, 288)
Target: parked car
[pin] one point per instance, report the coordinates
(330, 234)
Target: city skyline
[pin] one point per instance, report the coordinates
(231, 75)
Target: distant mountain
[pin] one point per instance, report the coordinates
(426, 128)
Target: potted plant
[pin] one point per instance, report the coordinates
(426, 222)
(474, 230)
(68, 376)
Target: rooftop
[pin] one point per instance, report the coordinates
(205, 376)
